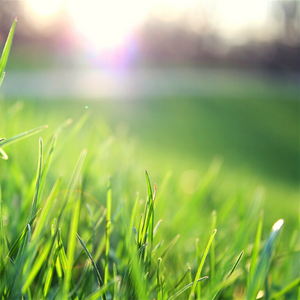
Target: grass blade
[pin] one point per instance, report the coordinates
(97, 273)
(3, 244)
(96, 295)
(212, 251)
(148, 211)
(71, 186)
(158, 281)
(38, 180)
(133, 213)
(21, 136)
(108, 224)
(6, 50)
(202, 264)
(186, 288)
(263, 266)
(52, 264)
(229, 274)
(255, 250)
(18, 241)
(182, 278)
(37, 266)
(71, 246)
(45, 211)
(47, 164)
(171, 244)
(290, 286)
(2, 232)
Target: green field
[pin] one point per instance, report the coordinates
(256, 139)
(230, 164)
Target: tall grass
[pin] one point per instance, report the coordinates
(86, 239)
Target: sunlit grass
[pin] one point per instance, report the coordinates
(73, 226)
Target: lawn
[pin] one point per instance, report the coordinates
(85, 224)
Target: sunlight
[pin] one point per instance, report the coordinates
(45, 7)
(106, 25)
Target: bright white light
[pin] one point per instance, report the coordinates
(45, 7)
(106, 23)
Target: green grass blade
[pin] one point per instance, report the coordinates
(3, 245)
(263, 266)
(158, 281)
(37, 266)
(71, 186)
(133, 213)
(116, 284)
(62, 254)
(2, 232)
(80, 283)
(96, 271)
(186, 288)
(73, 132)
(202, 264)
(71, 246)
(51, 267)
(62, 264)
(285, 290)
(45, 211)
(38, 180)
(255, 250)
(19, 240)
(148, 210)
(229, 274)
(62, 126)
(108, 224)
(198, 255)
(6, 50)
(58, 266)
(149, 189)
(21, 136)
(96, 295)
(182, 278)
(171, 244)
(212, 251)
(236, 264)
(47, 164)
(139, 235)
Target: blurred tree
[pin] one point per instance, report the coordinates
(287, 15)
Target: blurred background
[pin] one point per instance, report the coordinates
(192, 82)
(246, 34)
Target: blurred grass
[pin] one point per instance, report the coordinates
(177, 134)
(257, 139)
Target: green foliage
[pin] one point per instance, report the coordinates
(47, 263)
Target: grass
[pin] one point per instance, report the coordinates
(81, 231)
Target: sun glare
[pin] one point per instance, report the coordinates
(45, 7)
(106, 24)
